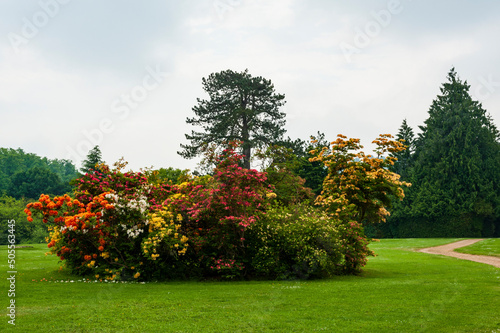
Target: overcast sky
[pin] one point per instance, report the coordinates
(125, 74)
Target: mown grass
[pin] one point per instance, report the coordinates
(487, 247)
(399, 291)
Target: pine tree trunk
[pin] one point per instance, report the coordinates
(246, 156)
(247, 149)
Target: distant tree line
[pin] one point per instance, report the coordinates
(27, 175)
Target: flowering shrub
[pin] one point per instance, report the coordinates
(218, 212)
(130, 186)
(164, 236)
(78, 235)
(126, 225)
(101, 232)
(358, 186)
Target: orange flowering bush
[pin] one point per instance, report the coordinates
(78, 232)
(100, 233)
(359, 187)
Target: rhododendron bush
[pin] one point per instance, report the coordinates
(131, 225)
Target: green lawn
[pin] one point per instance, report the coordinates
(399, 291)
(487, 247)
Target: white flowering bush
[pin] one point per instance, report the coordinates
(131, 211)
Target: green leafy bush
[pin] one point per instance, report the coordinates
(25, 232)
(303, 242)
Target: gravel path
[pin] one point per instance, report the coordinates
(447, 250)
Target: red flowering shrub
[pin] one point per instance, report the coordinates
(219, 210)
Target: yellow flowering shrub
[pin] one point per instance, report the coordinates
(164, 237)
(360, 187)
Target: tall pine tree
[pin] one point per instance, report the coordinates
(240, 107)
(456, 172)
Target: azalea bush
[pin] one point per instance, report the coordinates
(358, 186)
(218, 211)
(100, 231)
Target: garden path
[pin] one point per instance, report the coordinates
(447, 250)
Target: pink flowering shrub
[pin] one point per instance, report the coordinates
(219, 210)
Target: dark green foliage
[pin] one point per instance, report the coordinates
(35, 181)
(456, 171)
(65, 169)
(297, 146)
(313, 172)
(25, 232)
(94, 157)
(23, 168)
(280, 172)
(405, 158)
(168, 175)
(240, 107)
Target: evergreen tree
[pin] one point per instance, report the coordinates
(456, 175)
(240, 107)
(405, 158)
(94, 157)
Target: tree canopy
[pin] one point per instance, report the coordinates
(455, 169)
(35, 181)
(16, 164)
(239, 107)
(404, 158)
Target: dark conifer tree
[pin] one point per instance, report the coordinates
(94, 157)
(240, 107)
(456, 173)
(405, 158)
